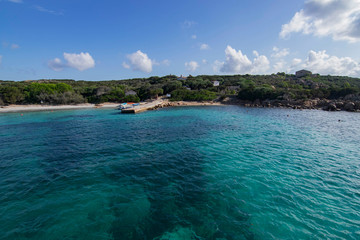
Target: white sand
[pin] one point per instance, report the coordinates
(27, 108)
(34, 108)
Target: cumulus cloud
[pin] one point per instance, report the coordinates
(237, 62)
(339, 19)
(194, 37)
(279, 66)
(321, 62)
(81, 62)
(217, 66)
(296, 61)
(139, 61)
(191, 66)
(280, 53)
(204, 46)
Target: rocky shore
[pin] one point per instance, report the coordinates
(185, 103)
(350, 105)
(319, 104)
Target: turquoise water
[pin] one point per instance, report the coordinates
(180, 173)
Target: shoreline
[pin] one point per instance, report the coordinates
(163, 103)
(40, 108)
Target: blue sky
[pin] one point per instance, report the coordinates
(105, 40)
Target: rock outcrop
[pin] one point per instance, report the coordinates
(321, 104)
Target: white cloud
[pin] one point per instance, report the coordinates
(15, 1)
(260, 65)
(139, 61)
(188, 24)
(194, 37)
(295, 62)
(191, 66)
(166, 62)
(56, 65)
(81, 62)
(14, 46)
(42, 9)
(337, 18)
(279, 66)
(204, 46)
(217, 66)
(1, 59)
(322, 63)
(280, 53)
(11, 46)
(236, 62)
(204, 61)
(125, 65)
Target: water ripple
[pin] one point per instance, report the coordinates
(181, 173)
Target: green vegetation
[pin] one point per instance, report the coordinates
(278, 86)
(197, 95)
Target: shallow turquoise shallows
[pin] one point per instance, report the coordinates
(180, 173)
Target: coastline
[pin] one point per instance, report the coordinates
(325, 105)
(39, 108)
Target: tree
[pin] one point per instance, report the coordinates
(12, 95)
(171, 86)
(155, 92)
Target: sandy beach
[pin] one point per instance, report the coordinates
(34, 108)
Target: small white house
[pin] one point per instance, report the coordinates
(216, 83)
(168, 95)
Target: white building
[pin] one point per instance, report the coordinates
(216, 83)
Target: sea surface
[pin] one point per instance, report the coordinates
(217, 172)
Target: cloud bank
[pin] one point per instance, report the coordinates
(81, 62)
(321, 62)
(237, 62)
(339, 19)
